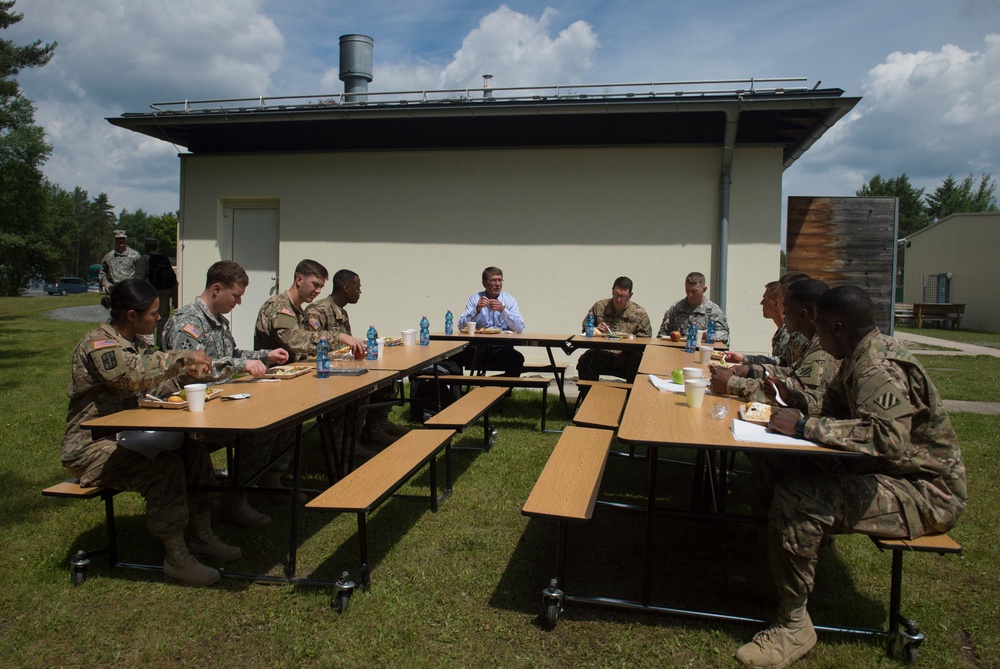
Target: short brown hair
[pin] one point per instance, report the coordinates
(491, 271)
(227, 273)
(311, 268)
(694, 278)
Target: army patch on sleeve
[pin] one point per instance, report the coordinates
(103, 343)
(314, 324)
(806, 371)
(191, 330)
(109, 360)
(888, 400)
(286, 311)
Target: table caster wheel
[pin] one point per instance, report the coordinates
(552, 610)
(491, 438)
(341, 601)
(78, 568)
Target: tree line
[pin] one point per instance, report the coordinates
(45, 230)
(917, 210)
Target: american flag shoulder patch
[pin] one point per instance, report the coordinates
(192, 330)
(887, 401)
(104, 343)
(314, 324)
(287, 312)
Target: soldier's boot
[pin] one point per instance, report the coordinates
(784, 642)
(392, 429)
(205, 544)
(179, 565)
(235, 510)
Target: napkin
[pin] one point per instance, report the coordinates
(663, 384)
(744, 431)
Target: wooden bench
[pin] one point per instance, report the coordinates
(566, 491)
(501, 381)
(368, 486)
(72, 489)
(469, 408)
(903, 312)
(903, 644)
(602, 407)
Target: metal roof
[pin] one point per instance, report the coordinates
(658, 114)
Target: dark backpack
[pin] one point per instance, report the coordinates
(160, 273)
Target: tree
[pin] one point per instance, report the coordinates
(952, 197)
(912, 211)
(25, 252)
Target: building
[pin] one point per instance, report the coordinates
(951, 261)
(563, 188)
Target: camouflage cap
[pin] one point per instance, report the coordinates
(120, 234)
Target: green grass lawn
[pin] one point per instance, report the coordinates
(990, 339)
(459, 588)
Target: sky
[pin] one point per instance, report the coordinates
(928, 71)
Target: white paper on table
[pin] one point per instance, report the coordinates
(744, 431)
(663, 384)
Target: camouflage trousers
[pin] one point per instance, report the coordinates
(374, 415)
(808, 507)
(622, 364)
(162, 481)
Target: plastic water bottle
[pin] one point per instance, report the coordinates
(710, 332)
(322, 358)
(448, 323)
(589, 329)
(372, 343)
(425, 332)
(692, 339)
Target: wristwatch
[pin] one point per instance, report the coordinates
(800, 427)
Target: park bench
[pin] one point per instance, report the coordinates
(367, 487)
(566, 491)
(498, 381)
(72, 489)
(468, 409)
(602, 407)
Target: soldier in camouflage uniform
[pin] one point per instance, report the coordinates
(330, 315)
(113, 369)
(881, 404)
(203, 325)
(786, 347)
(282, 321)
(806, 380)
(121, 263)
(615, 314)
(695, 308)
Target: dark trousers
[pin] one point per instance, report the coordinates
(486, 357)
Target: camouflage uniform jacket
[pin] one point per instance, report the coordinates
(883, 404)
(194, 326)
(807, 379)
(110, 374)
(325, 316)
(116, 267)
(682, 314)
(779, 341)
(280, 324)
(632, 320)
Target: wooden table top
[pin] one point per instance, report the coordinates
(507, 337)
(662, 360)
(664, 418)
(625, 343)
(271, 404)
(406, 359)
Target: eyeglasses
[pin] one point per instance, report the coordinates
(494, 280)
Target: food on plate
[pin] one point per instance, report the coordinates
(175, 399)
(718, 363)
(489, 330)
(718, 355)
(283, 370)
(342, 351)
(757, 412)
(675, 335)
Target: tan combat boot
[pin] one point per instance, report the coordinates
(205, 544)
(235, 510)
(179, 565)
(782, 643)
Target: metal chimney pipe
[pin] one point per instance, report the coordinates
(356, 66)
(487, 85)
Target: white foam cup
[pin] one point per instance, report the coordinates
(693, 373)
(694, 390)
(381, 346)
(470, 327)
(195, 394)
(705, 352)
(408, 336)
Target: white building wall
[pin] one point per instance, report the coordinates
(965, 245)
(562, 224)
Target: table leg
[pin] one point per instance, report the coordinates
(294, 533)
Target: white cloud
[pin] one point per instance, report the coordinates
(518, 49)
(926, 113)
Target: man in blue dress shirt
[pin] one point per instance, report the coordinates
(493, 308)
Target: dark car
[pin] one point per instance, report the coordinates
(65, 285)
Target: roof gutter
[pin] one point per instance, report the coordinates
(837, 111)
(725, 186)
